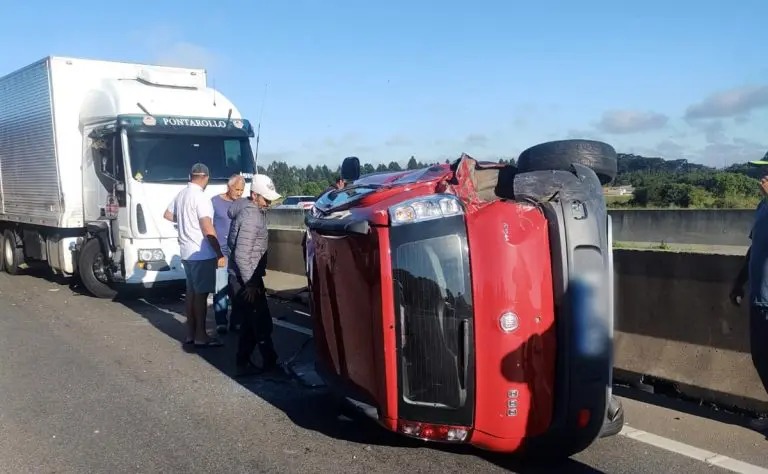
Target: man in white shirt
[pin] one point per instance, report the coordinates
(200, 251)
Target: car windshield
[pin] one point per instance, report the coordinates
(158, 158)
(343, 197)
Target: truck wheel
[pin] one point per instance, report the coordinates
(560, 154)
(13, 256)
(92, 269)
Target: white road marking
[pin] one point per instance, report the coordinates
(292, 327)
(301, 313)
(708, 457)
(285, 324)
(177, 316)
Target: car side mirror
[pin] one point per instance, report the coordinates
(350, 169)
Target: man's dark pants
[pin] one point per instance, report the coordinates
(758, 340)
(255, 323)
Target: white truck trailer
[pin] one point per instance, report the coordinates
(91, 154)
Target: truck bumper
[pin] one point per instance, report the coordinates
(152, 273)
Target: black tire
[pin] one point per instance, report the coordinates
(560, 155)
(2, 251)
(91, 256)
(13, 255)
(614, 419)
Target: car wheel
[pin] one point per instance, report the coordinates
(561, 154)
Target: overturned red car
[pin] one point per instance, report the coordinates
(472, 302)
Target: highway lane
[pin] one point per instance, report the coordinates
(92, 385)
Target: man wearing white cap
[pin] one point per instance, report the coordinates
(248, 243)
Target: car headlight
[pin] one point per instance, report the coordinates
(425, 208)
(151, 255)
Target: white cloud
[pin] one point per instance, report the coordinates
(735, 102)
(631, 121)
(167, 46)
(713, 130)
(738, 151)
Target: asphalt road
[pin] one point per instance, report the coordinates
(89, 385)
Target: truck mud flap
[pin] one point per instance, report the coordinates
(101, 230)
(581, 252)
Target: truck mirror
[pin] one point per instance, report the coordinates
(350, 169)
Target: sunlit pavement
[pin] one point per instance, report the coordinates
(102, 386)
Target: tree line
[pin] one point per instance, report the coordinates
(657, 182)
(313, 180)
(663, 183)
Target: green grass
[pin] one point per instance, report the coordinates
(618, 199)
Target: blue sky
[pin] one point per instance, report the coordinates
(387, 80)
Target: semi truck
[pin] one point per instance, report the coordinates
(91, 154)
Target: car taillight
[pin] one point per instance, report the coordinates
(432, 432)
(584, 416)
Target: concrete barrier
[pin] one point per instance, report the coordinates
(673, 226)
(673, 321)
(285, 252)
(683, 226)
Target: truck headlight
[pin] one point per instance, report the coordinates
(425, 208)
(151, 255)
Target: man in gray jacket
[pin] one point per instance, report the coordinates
(248, 244)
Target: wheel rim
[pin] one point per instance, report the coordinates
(8, 252)
(98, 268)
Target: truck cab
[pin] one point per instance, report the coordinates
(137, 166)
(118, 141)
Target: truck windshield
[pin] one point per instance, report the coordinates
(159, 158)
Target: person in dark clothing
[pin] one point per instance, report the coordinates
(248, 243)
(222, 222)
(338, 184)
(755, 272)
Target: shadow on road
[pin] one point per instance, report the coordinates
(314, 408)
(310, 408)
